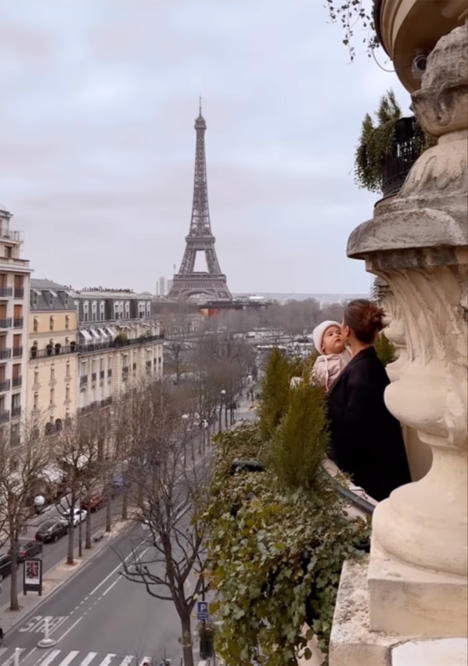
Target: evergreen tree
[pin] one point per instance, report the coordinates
(275, 392)
(300, 442)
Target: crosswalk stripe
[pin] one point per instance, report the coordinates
(11, 658)
(49, 658)
(128, 660)
(88, 659)
(70, 656)
(107, 659)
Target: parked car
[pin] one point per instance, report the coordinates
(5, 565)
(78, 516)
(93, 502)
(51, 530)
(27, 549)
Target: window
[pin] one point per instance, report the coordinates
(15, 400)
(85, 311)
(36, 375)
(35, 324)
(8, 251)
(35, 400)
(15, 434)
(67, 393)
(52, 373)
(67, 322)
(51, 323)
(94, 310)
(52, 397)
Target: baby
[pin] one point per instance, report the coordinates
(334, 356)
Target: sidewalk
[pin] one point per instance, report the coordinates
(54, 578)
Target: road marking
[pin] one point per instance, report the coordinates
(69, 629)
(110, 587)
(131, 554)
(88, 659)
(128, 660)
(107, 659)
(11, 658)
(70, 656)
(49, 659)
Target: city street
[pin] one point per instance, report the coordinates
(98, 618)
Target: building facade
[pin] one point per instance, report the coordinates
(14, 310)
(53, 355)
(119, 344)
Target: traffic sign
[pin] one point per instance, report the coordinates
(202, 611)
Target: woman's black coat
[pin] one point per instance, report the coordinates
(366, 440)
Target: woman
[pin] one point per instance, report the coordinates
(366, 440)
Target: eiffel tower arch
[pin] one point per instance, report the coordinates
(188, 281)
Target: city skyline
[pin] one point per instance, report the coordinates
(97, 141)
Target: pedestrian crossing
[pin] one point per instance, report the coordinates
(56, 657)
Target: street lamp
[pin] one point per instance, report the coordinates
(185, 420)
(223, 398)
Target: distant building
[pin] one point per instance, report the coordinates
(14, 309)
(161, 290)
(53, 355)
(119, 344)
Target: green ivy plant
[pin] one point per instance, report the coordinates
(276, 553)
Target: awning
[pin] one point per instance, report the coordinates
(103, 332)
(86, 335)
(53, 293)
(95, 334)
(112, 331)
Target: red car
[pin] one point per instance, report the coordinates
(28, 549)
(93, 502)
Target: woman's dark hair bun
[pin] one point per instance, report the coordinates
(364, 318)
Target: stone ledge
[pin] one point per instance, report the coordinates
(402, 596)
(352, 642)
(438, 652)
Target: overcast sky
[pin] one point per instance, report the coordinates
(97, 143)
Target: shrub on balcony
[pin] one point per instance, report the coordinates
(276, 390)
(121, 339)
(299, 444)
(276, 553)
(377, 144)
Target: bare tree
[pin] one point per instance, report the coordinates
(20, 467)
(77, 450)
(168, 507)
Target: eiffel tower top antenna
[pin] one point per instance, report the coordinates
(199, 106)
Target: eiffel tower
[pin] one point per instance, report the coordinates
(189, 282)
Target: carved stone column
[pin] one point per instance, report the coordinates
(418, 243)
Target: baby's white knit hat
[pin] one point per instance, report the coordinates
(319, 330)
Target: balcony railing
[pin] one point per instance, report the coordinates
(98, 346)
(17, 351)
(10, 235)
(406, 149)
(5, 323)
(5, 291)
(5, 385)
(16, 411)
(18, 322)
(4, 415)
(5, 353)
(16, 381)
(19, 293)
(52, 351)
